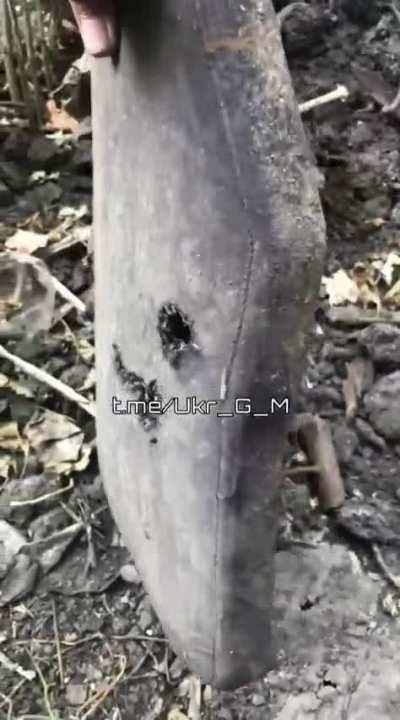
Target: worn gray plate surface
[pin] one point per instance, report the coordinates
(209, 243)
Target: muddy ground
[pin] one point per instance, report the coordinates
(82, 634)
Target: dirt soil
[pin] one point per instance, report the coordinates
(85, 641)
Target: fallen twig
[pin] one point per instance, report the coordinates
(8, 700)
(140, 638)
(393, 579)
(394, 105)
(302, 470)
(194, 698)
(353, 316)
(42, 498)
(341, 93)
(91, 561)
(94, 702)
(14, 667)
(68, 295)
(57, 642)
(54, 383)
(13, 692)
(61, 313)
(360, 374)
(45, 688)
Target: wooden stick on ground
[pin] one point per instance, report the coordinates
(315, 436)
(49, 380)
(68, 295)
(341, 93)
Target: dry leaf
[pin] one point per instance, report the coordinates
(27, 294)
(17, 387)
(394, 293)
(368, 296)
(73, 213)
(10, 439)
(341, 288)
(366, 279)
(59, 119)
(85, 350)
(176, 714)
(90, 381)
(57, 442)
(8, 465)
(84, 459)
(27, 241)
(11, 541)
(391, 265)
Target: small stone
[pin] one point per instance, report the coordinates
(6, 196)
(395, 215)
(367, 433)
(382, 343)
(145, 619)
(177, 668)
(121, 625)
(325, 369)
(75, 694)
(75, 375)
(325, 394)
(224, 714)
(382, 404)
(145, 614)
(13, 175)
(129, 574)
(93, 673)
(326, 692)
(44, 195)
(42, 152)
(16, 145)
(367, 452)
(346, 441)
(377, 207)
(257, 700)
(82, 158)
(337, 676)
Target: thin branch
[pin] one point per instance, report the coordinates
(44, 52)
(44, 377)
(41, 498)
(37, 96)
(393, 579)
(57, 641)
(69, 296)
(11, 75)
(341, 93)
(94, 702)
(21, 62)
(45, 689)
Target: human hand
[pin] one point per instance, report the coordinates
(97, 25)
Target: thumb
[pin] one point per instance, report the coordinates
(96, 22)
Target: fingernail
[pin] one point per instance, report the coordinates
(98, 35)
